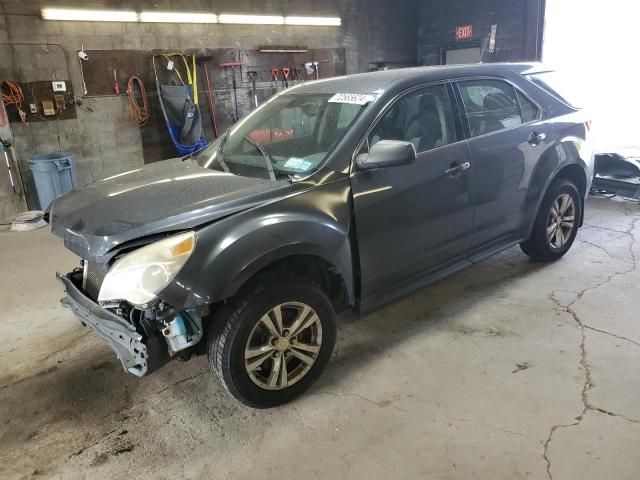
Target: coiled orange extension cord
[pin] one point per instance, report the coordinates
(139, 113)
(14, 97)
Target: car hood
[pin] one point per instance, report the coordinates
(162, 197)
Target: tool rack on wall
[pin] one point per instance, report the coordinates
(223, 66)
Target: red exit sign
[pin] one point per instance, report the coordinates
(463, 32)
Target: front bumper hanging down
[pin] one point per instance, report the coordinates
(120, 335)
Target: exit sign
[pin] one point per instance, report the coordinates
(464, 32)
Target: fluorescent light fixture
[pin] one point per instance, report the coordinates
(314, 21)
(251, 19)
(178, 17)
(89, 15)
(283, 50)
(182, 17)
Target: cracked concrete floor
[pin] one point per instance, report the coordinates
(507, 370)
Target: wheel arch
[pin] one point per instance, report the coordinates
(575, 172)
(329, 272)
(576, 175)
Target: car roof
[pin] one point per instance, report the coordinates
(383, 80)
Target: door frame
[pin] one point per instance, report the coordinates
(463, 109)
(448, 267)
(458, 114)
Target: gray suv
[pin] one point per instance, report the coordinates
(341, 193)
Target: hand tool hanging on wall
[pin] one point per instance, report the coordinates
(313, 67)
(83, 57)
(285, 74)
(310, 67)
(211, 99)
(4, 146)
(232, 66)
(317, 67)
(274, 79)
(252, 78)
(116, 87)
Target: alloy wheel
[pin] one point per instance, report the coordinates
(283, 346)
(561, 221)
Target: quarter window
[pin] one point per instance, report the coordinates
(493, 105)
(528, 109)
(424, 117)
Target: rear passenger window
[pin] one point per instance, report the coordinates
(491, 105)
(423, 117)
(528, 109)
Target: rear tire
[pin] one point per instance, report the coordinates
(556, 224)
(273, 341)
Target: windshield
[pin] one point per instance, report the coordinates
(289, 136)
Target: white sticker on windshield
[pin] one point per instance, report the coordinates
(298, 164)
(352, 98)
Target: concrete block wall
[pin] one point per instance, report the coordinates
(103, 139)
(519, 33)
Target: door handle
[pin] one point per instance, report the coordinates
(456, 170)
(536, 138)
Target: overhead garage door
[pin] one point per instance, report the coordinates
(594, 42)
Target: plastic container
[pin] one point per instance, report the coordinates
(53, 174)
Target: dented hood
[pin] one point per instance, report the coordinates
(162, 197)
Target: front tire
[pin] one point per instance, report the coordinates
(556, 224)
(273, 341)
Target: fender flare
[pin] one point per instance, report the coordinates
(559, 168)
(233, 251)
(343, 268)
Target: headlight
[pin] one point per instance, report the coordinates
(140, 275)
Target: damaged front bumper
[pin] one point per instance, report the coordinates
(119, 334)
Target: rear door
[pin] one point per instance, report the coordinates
(411, 219)
(506, 139)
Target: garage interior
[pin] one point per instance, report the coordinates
(509, 369)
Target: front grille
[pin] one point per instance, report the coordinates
(93, 276)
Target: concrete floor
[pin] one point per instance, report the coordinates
(507, 370)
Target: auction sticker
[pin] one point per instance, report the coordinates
(352, 98)
(298, 164)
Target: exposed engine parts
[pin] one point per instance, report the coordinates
(183, 331)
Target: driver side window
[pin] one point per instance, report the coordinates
(424, 117)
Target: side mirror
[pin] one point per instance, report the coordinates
(387, 153)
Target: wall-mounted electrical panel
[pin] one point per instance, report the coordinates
(47, 101)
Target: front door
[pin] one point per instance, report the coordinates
(412, 219)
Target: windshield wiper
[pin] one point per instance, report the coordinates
(267, 158)
(219, 153)
(188, 156)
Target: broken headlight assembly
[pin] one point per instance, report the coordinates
(137, 277)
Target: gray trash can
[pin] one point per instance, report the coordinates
(53, 174)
